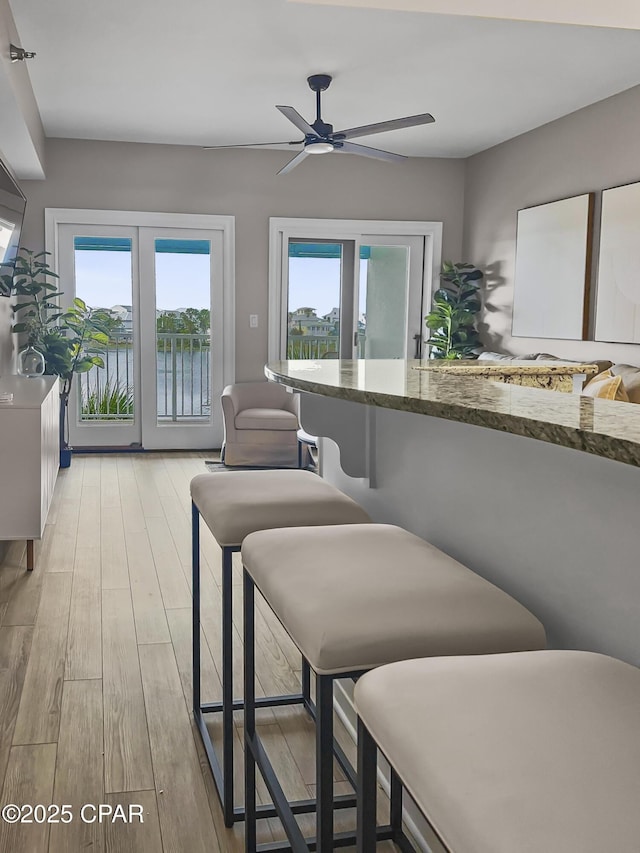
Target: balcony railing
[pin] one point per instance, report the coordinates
(183, 375)
(318, 346)
(183, 380)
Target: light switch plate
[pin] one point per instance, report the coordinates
(253, 321)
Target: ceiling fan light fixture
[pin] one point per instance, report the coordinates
(319, 147)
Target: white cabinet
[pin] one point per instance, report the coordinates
(29, 455)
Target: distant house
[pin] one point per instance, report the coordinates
(305, 321)
(124, 315)
(333, 316)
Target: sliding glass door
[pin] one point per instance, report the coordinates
(389, 304)
(163, 365)
(358, 298)
(350, 297)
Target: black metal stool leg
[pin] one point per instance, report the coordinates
(227, 686)
(222, 770)
(249, 717)
(195, 607)
(306, 684)
(396, 804)
(324, 763)
(366, 791)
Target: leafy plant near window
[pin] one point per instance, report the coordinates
(452, 319)
(112, 399)
(70, 339)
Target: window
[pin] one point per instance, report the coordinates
(349, 288)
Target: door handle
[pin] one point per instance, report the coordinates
(418, 339)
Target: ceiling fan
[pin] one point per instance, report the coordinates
(320, 138)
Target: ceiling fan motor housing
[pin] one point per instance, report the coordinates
(319, 82)
(321, 128)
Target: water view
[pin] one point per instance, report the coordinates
(181, 295)
(183, 369)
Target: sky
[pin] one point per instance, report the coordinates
(315, 283)
(103, 279)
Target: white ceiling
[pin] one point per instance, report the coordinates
(207, 72)
(593, 13)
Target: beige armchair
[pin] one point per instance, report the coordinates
(260, 425)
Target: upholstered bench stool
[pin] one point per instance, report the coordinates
(536, 752)
(353, 598)
(234, 504)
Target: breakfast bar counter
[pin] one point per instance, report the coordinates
(538, 491)
(605, 428)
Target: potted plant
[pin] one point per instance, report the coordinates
(451, 321)
(67, 339)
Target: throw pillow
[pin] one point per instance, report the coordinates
(606, 387)
(630, 379)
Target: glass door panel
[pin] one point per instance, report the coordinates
(389, 304)
(100, 266)
(183, 330)
(313, 307)
(103, 268)
(181, 327)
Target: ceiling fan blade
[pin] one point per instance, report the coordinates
(383, 126)
(294, 116)
(251, 145)
(295, 162)
(376, 153)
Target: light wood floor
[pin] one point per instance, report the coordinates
(95, 669)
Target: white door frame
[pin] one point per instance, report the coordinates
(54, 217)
(282, 229)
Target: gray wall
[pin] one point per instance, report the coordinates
(520, 512)
(591, 149)
(128, 176)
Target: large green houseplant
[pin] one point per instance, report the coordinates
(452, 319)
(69, 339)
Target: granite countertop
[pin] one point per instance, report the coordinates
(602, 427)
(471, 367)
